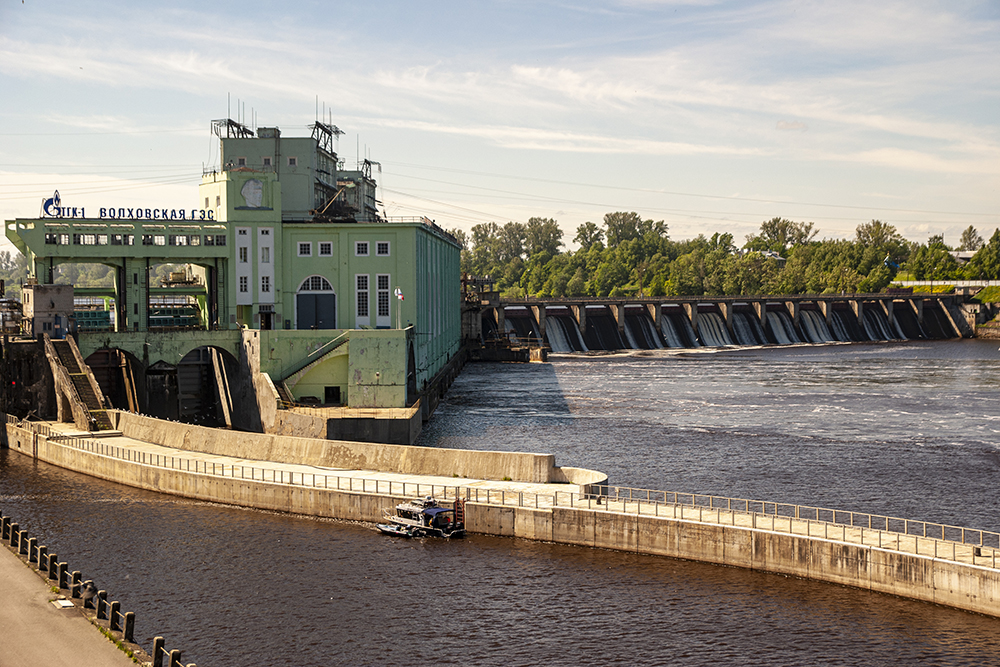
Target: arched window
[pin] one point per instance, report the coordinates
(315, 304)
(315, 284)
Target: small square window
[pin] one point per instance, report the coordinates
(293, 162)
(361, 248)
(267, 162)
(265, 232)
(325, 248)
(241, 162)
(305, 249)
(382, 248)
(242, 232)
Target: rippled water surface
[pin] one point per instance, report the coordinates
(906, 429)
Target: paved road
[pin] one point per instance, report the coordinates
(34, 632)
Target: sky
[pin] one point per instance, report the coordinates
(711, 116)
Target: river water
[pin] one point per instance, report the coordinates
(907, 429)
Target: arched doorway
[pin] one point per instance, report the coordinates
(315, 304)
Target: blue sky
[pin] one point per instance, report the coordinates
(712, 116)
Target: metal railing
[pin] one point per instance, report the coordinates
(938, 540)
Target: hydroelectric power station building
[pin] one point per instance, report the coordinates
(301, 293)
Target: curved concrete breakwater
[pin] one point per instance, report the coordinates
(947, 565)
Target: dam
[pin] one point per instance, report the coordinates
(584, 324)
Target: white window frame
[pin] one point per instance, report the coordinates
(328, 247)
(359, 246)
(267, 161)
(383, 303)
(265, 254)
(378, 249)
(362, 305)
(244, 284)
(293, 161)
(306, 246)
(265, 284)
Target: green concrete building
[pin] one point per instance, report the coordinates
(353, 308)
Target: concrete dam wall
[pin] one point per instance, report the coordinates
(953, 572)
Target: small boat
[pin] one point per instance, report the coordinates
(424, 518)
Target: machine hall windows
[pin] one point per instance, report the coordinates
(361, 282)
(265, 255)
(361, 248)
(217, 239)
(382, 249)
(243, 284)
(325, 249)
(244, 251)
(265, 284)
(293, 162)
(382, 286)
(305, 249)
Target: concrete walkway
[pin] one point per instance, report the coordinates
(33, 631)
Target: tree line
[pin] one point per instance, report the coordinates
(627, 255)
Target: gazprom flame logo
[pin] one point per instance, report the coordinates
(52, 207)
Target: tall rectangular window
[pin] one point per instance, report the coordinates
(382, 286)
(265, 283)
(265, 255)
(362, 295)
(244, 252)
(243, 283)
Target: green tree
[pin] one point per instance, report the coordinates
(779, 234)
(971, 240)
(985, 264)
(542, 235)
(588, 234)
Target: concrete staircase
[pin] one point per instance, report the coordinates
(82, 383)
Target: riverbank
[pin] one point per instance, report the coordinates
(37, 632)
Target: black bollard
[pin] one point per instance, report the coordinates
(4, 527)
(74, 589)
(129, 630)
(13, 532)
(53, 568)
(102, 604)
(32, 553)
(113, 615)
(43, 558)
(175, 658)
(22, 542)
(157, 651)
(63, 580)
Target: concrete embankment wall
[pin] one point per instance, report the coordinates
(406, 459)
(945, 582)
(955, 584)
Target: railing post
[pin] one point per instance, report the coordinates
(129, 630)
(113, 614)
(157, 651)
(32, 556)
(74, 589)
(102, 604)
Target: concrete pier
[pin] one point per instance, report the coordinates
(946, 565)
